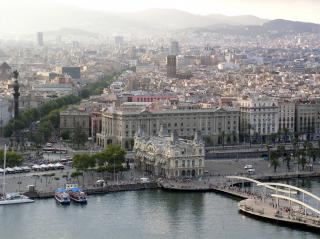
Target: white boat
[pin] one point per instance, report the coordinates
(11, 198)
(15, 198)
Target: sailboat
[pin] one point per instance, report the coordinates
(11, 198)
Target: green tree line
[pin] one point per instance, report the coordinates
(301, 156)
(112, 156)
(48, 113)
(13, 159)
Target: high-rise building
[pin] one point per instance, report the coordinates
(40, 38)
(73, 71)
(174, 48)
(171, 66)
(118, 40)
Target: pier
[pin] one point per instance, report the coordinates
(274, 202)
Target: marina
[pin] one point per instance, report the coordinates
(147, 214)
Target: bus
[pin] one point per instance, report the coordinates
(54, 150)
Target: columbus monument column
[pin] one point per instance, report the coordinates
(16, 94)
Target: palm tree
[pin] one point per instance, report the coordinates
(274, 161)
(222, 136)
(287, 159)
(249, 130)
(234, 137)
(268, 146)
(285, 134)
(302, 159)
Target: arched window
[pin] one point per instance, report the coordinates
(176, 163)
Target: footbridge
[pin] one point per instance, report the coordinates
(273, 201)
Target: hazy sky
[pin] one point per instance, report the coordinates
(304, 10)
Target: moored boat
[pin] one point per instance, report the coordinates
(10, 198)
(61, 196)
(76, 194)
(15, 198)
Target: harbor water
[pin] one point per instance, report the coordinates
(144, 214)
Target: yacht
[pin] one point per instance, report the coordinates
(11, 198)
(14, 198)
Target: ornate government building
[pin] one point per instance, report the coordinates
(169, 156)
(120, 124)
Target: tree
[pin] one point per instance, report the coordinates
(79, 137)
(287, 159)
(65, 135)
(286, 134)
(12, 159)
(249, 132)
(82, 162)
(113, 154)
(281, 150)
(302, 159)
(308, 148)
(268, 146)
(38, 138)
(222, 138)
(46, 129)
(84, 93)
(274, 161)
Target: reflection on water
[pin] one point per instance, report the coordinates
(143, 214)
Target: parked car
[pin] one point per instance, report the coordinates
(144, 180)
(248, 166)
(251, 171)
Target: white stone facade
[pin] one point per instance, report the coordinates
(169, 156)
(259, 115)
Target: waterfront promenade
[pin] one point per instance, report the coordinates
(268, 211)
(280, 205)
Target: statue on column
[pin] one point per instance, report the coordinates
(16, 93)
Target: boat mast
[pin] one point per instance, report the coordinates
(4, 171)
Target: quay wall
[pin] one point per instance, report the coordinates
(100, 190)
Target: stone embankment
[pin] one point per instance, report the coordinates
(100, 190)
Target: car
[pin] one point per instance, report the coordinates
(248, 166)
(49, 145)
(100, 183)
(251, 171)
(144, 180)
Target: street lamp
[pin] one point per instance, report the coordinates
(90, 144)
(114, 169)
(60, 148)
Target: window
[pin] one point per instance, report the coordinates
(200, 162)
(183, 163)
(176, 163)
(192, 163)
